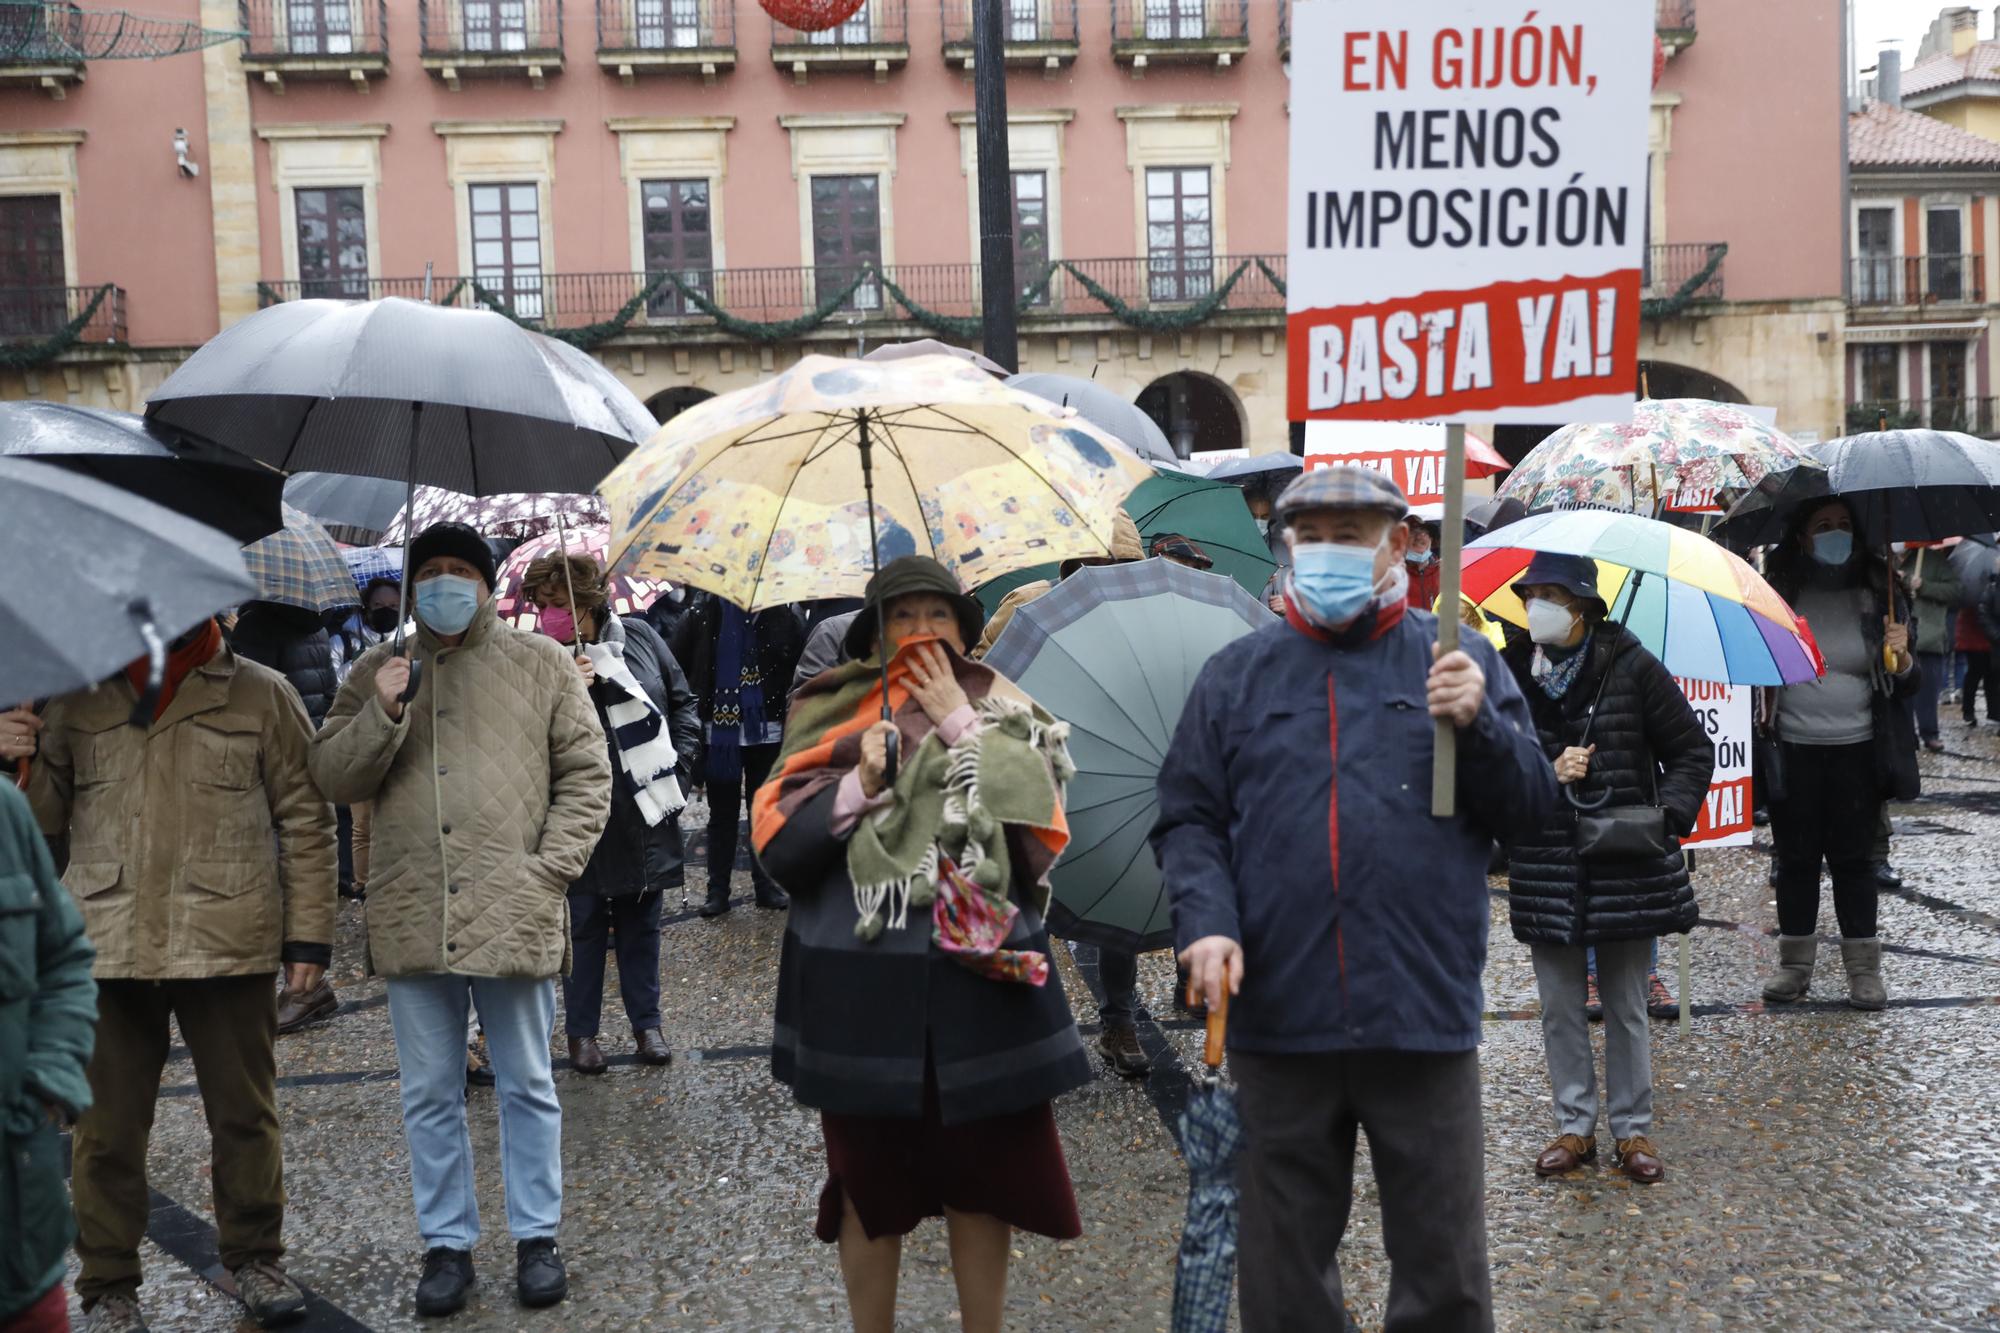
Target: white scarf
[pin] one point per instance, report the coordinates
(639, 735)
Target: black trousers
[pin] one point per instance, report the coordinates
(724, 800)
(1832, 812)
(1982, 670)
(1428, 1148)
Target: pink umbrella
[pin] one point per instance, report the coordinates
(629, 596)
(520, 514)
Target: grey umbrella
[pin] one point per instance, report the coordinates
(1901, 486)
(1278, 468)
(206, 482)
(100, 578)
(1103, 409)
(467, 400)
(367, 504)
(932, 347)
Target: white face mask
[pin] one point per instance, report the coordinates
(1549, 622)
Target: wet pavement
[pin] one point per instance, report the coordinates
(1827, 1169)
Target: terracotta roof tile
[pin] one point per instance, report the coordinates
(1981, 62)
(1886, 136)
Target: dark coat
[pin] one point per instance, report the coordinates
(1295, 819)
(856, 1021)
(1645, 733)
(295, 644)
(634, 857)
(781, 638)
(48, 1020)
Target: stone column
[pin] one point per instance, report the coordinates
(231, 167)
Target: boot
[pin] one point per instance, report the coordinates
(718, 900)
(1795, 967)
(1863, 959)
(586, 1056)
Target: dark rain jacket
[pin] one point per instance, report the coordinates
(1295, 817)
(634, 857)
(293, 643)
(1645, 732)
(48, 1021)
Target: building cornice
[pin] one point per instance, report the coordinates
(40, 138)
(843, 120)
(1050, 116)
(1179, 111)
(323, 130)
(667, 124)
(451, 127)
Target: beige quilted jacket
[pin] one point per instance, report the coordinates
(198, 847)
(489, 795)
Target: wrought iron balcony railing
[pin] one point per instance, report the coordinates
(485, 29)
(663, 28)
(1027, 25)
(314, 30)
(1671, 268)
(1144, 30)
(1083, 290)
(1974, 416)
(1917, 280)
(40, 312)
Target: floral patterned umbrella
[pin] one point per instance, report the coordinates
(520, 514)
(629, 595)
(1683, 454)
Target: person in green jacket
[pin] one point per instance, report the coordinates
(1935, 584)
(48, 1018)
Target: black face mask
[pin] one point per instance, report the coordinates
(382, 619)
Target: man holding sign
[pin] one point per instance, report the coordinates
(1311, 880)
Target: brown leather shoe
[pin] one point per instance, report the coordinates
(1566, 1154)
(652, 1047)
(298, 1008)
(585, 1057)
(1639, 1162)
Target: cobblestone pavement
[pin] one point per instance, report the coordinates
(1826, 1169)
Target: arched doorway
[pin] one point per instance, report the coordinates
(1198, 412)
(670, 403)
(1658, 379)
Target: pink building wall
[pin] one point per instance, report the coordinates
(1757, 145)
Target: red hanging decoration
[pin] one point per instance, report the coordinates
(811, 15)
(1659, 59)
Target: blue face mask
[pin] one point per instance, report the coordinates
(1833, 548)
(1336, 581)
(447, 603)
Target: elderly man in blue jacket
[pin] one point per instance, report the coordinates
(1310, 878)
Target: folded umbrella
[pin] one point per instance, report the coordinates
(300, 565)
(202, 481)
(1698, 608)
(1114, 651)
(1212, 1137)
(101, 578)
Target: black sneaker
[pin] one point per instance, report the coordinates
(446, 1281)
(718, 902)
(540, 1277)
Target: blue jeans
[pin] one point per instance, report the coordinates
(632, 926)
(1118, 972)
(1933, 669)
(429, 1016)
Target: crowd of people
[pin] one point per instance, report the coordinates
(506, 803)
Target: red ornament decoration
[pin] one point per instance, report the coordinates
(1659, 59)
(811, 15)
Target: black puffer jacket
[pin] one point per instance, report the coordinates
(781, 637)
(634, 857)
(1644, 725)
(293, 642)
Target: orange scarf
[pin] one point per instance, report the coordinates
(205, 643)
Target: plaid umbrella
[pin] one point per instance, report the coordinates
(368, 563)
(1211, 1138)
(629, 595)
(300, 565)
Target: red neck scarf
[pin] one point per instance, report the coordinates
(1385, 619)
(207, 641)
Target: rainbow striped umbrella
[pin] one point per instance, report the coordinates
(1702, 611)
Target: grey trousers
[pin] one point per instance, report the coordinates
(1425, 1140)
(1628, 1050)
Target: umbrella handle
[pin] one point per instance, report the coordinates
(891, 744)
(416, 678)
(21, 768)
(1218, 1025)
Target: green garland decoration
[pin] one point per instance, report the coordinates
(1666, 307)
(1271, 277)
(584, 337)
(27, 356)
(755, 331)
(1160, 321)
(965, 326)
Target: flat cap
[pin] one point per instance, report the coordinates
(1342, 486)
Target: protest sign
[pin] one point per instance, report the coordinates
(1409, 453)
(1724, 713)
(1467, 210)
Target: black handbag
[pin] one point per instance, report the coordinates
(1606, 832)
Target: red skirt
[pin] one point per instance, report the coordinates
(899, 1171)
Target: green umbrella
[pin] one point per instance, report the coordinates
(1211, 513)
(1114, 651)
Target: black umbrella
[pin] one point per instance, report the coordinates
(98, 578)
(1902, 486)
(368, 504)
(463, 399)
(203, 481)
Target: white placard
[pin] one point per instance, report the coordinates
(1467, 208)
(1724, 713)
